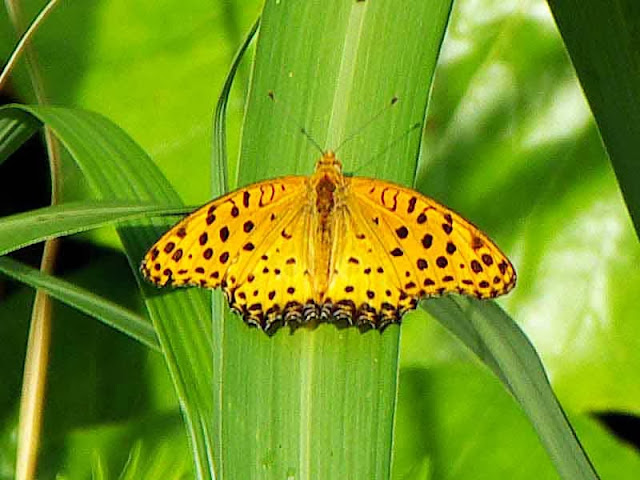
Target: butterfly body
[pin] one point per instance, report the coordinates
(328, 248)
(324, 191)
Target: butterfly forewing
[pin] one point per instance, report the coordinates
(200, 249)
(438, 250)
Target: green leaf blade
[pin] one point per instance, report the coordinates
(104, 310)
(496, 339)
(20, 230)
(304, 405)
(602, 39)
(118, 169)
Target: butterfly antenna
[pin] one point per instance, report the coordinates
(312, 140)
(297, 126)
(359, 130)
(413, 127)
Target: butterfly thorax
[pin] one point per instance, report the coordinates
(326, 180)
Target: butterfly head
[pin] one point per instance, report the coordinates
(329, 164)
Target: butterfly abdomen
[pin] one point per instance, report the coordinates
(325, 185)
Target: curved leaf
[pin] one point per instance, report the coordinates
(85, 301)
(116, 168)
(20, 230)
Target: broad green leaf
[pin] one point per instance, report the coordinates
(602, 39)
(299, 405)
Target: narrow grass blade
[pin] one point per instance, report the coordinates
(100, 308)
(117, 169)
(496, 339)
(16, 127)
(219, 186)
(18, 231)
(220, 180)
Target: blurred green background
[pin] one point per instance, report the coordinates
(504, 89)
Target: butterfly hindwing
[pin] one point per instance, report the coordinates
(368, 282)
(273, 286)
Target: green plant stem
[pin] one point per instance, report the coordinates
(35, 375)
(37, 356)
(24, 40)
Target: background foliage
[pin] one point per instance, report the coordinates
(504, 89)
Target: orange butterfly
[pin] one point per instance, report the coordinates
(328, 248)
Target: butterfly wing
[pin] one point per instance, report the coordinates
(399, 246)
(230, 241)
(391, 246)
(274, 286)
(365, 287)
